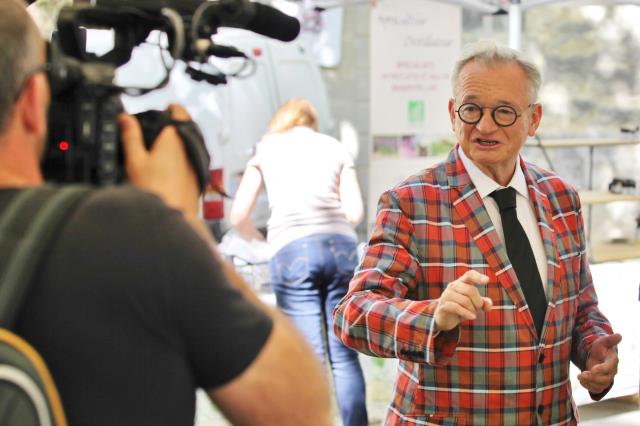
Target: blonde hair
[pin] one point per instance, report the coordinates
(293, 113)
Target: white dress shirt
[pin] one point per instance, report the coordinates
(524, 209)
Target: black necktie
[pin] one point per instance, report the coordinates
(521, 255)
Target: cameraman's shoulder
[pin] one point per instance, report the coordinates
(123, 196)
(121, 201)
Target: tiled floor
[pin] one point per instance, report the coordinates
(379, 374)
(612, 412)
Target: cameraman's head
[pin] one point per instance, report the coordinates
(24, 90)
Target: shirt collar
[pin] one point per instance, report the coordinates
(485, 185)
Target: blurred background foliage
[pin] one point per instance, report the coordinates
(589, 57)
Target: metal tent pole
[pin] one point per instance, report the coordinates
(515, 25)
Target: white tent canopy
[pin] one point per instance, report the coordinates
(513, 8)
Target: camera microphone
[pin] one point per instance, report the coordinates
(266, 20)
(253, 16)
(256, 17)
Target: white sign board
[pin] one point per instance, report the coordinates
(414, 44)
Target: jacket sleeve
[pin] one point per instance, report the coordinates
(379, 316)
(590, 322)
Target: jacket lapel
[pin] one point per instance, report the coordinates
(542, 208)
(469, 206)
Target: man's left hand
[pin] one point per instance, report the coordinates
(164, 169)
(602, 364)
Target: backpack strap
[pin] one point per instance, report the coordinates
(28, 226)
(22, 367)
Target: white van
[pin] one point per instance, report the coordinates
(234, 116)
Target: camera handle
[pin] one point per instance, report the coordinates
(152, 123)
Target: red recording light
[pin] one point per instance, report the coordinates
(63, 146)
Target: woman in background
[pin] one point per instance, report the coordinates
(315, 202)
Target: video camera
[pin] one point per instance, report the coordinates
(84, 143)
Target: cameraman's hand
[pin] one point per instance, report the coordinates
(165, 169)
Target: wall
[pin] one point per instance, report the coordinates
(348, 89)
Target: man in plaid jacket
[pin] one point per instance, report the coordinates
(437, 290)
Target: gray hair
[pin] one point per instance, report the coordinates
(20, 50)
(490, 54)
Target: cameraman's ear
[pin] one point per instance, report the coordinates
(33, 105)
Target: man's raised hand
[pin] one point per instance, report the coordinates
(461, 301)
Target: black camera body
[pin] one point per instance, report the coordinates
(84, 143)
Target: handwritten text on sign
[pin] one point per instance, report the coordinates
(414, 44)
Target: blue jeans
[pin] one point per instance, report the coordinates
(310, 276)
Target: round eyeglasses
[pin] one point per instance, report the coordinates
(503, 115)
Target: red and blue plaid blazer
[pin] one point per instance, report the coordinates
(494, 370)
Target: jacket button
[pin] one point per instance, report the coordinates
(540, 409)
